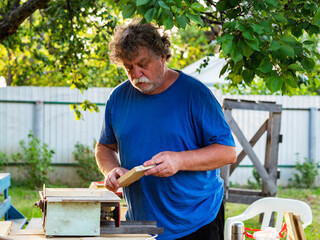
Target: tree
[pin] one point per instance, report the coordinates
(259, 38)
(66, 40)
(59, 43)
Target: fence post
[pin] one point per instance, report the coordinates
(38, 120)
(312, 134)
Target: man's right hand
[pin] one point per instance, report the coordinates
(111, 180)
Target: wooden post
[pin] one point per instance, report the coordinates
(313, 134)
(269, 171)
(38, 121)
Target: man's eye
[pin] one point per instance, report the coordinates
(129, 68)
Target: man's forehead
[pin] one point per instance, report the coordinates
(139, 55)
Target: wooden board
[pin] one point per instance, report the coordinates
(294, 226)
(37, 234)
(5, 227)
(133, 175)
(80, 194)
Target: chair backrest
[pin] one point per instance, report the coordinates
(269, 205)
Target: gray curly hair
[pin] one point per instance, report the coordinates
(128, 38)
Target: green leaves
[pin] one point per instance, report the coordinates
(142, 2)
(265, 65)
(254, 44)
(128, 11)
(288, 39)
(296, 67)
(149, 15)
(227, 46)
(182, 21)
(280, 18)
(287, 50)
(275, 45)
(308, 64)
(316, 18)
(198, 7)
(274, 83)
(195, 18)
(163, 5)
(165, 12)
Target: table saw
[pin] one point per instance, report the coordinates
(86, 212)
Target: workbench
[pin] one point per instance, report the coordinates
(34, 231)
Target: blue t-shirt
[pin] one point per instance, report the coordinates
(186, 116)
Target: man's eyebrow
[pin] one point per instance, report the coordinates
(142, 60)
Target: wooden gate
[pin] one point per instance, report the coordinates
(269, 172)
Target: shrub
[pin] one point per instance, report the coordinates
(87, 167)
(257, 184)
(307, 173)
(3, 160)
(36, 161)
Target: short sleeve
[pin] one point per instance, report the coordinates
(211, 125)
(107, 135)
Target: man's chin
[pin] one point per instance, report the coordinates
(144, 87)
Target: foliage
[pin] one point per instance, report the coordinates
(257, 183)
(257, 87)
(3, 160)
(307, 173)
(87, 167)
(259, 38)
(189, 45)
(65, 44)
(36, 161)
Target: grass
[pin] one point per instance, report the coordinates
(23, 198)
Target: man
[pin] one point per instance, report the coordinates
(164, 117)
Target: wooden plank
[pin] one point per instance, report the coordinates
(27, 232)
(252, 142)
(267, 161)
(5, 227)
(245, 191)
(240, 198)
(263, 106)
(275, 146)
(80, 194)
(4, 181)
(119, 237)
(292, 232)
(133, 175)
(299, 228)
(77, 192)
(34, 223)
(24, 234)
(5, 206)
(131, 227)
(252, 155)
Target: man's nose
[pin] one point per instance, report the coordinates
(137, 72)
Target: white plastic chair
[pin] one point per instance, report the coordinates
(267, 206)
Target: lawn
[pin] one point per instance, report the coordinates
(23, 199)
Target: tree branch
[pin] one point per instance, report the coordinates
(16, 16)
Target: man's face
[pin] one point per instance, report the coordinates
(146, 71)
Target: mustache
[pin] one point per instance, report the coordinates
(141, 80)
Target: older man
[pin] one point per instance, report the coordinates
(162, 116)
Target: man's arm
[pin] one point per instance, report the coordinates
(208, 158)
(108, 163)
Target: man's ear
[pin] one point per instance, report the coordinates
(163, 58)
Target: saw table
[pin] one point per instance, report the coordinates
(85, 212)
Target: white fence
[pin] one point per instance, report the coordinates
(46, 112)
